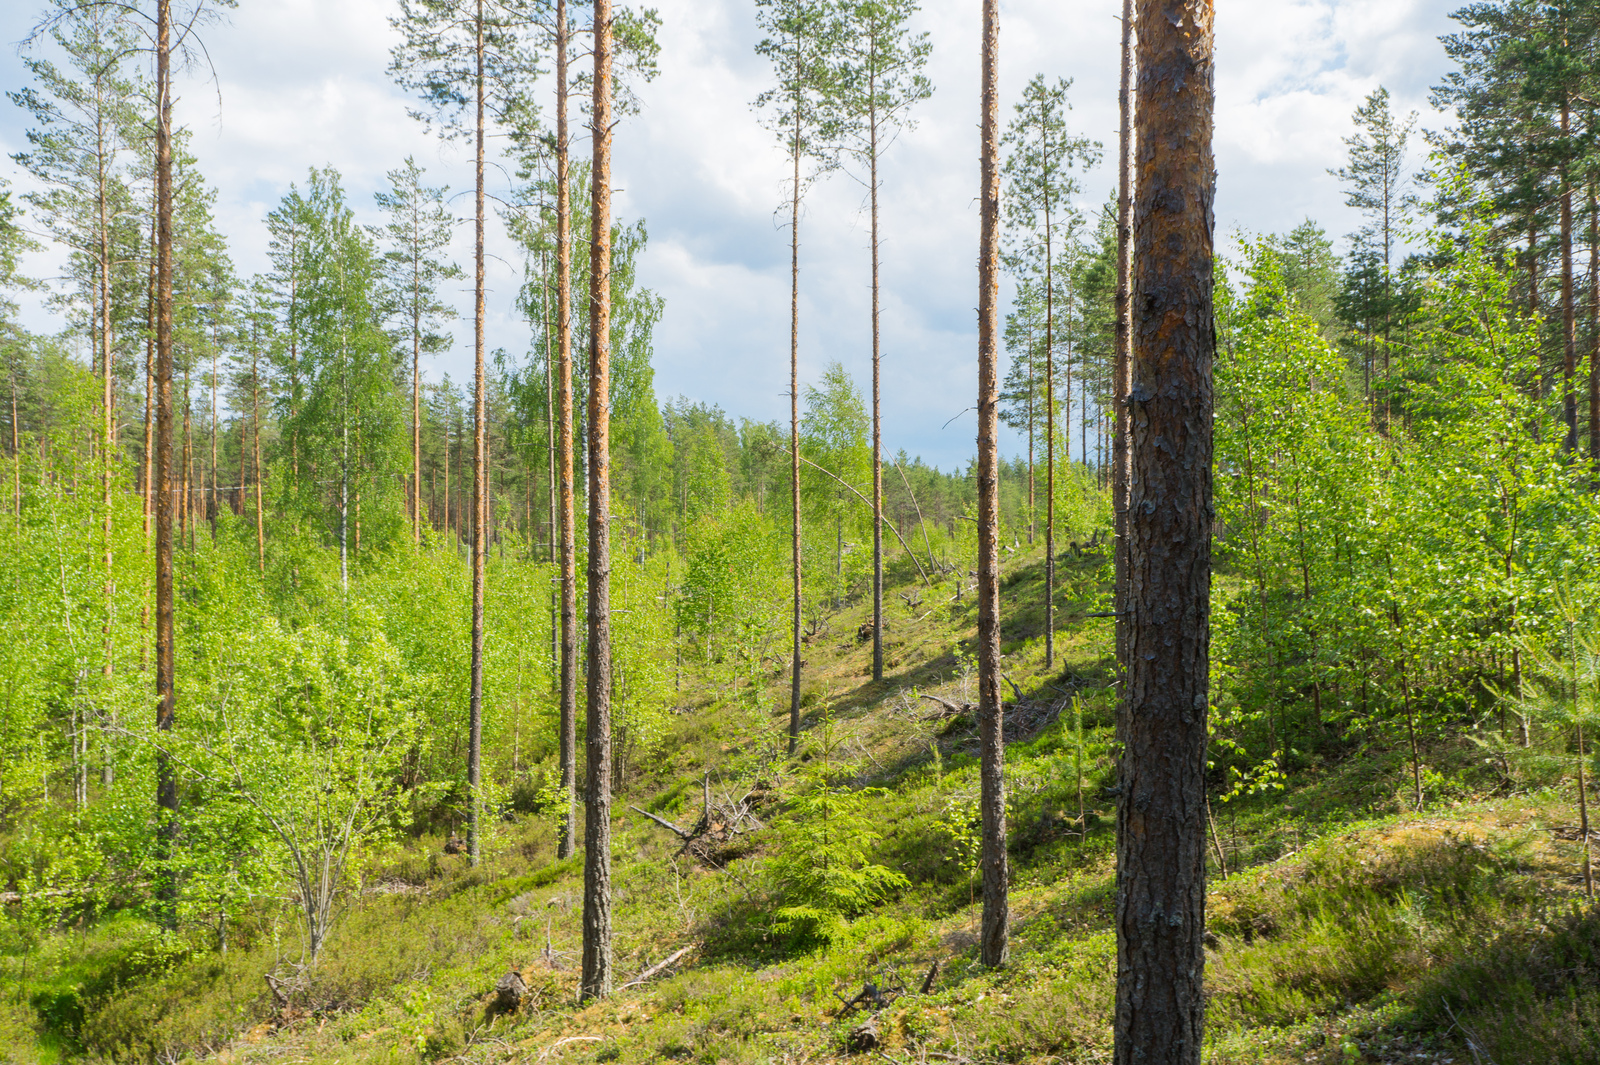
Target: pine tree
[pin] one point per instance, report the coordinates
(802, 37)
(880, 79)
(1022, 397)
(1378, 187)
(259, 339)
(596, 976)
(86, 122)
(1311, 273)
(461, 56)
(994, 947)
(1161, 813)
(287, 235)
(419, 230)
(1122, 371)
(1556, 57)
(1042, 223)
(347, 422)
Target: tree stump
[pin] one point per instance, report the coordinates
(509, 992)
(863, 1037)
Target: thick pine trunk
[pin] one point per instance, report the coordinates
(1161, 818)
(166, 659)
(480, 486)
(596, 979)
(567, 516)
(994, 945)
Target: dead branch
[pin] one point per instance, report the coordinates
(951, 708)
(909, 553)
(663, 822)
(569, 1039)
(656, 969)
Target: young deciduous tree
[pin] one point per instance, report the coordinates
(1161, 814)
(308, 731)
(833, 434)
(418, 230)
(802, 38)
(880, 79)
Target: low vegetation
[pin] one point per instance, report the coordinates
(1348, 927)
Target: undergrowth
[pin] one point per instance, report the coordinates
(1343, 926)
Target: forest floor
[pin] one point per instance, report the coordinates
(1343, 926)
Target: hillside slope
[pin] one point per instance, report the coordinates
(1343, 927)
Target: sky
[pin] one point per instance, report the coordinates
(294, 84)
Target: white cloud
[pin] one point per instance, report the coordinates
(302, 83)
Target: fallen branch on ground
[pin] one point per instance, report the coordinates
(655, 969)
(569, 1039)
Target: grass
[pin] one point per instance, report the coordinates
(1351, 929)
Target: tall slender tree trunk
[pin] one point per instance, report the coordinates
(166, 659)
(1533, 276)
(564, 430)
(1161, 816)
(215, 501)
(186, 473)
(877, 413)
(994, 944)
(1569, 327)
(480, 480)
(150, 380)
(344, 493)
(416, 386)
(1049, 426)
(244, 472)
(108, 409)
(794, 417)
(1583, 816)
(16, 450)
(255, 439)
(596, 980)
(1594, 333)
(550, 479)
(1033, 388)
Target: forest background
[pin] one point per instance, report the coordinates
(303, 85)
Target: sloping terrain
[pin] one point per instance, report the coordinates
(1342, 927)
